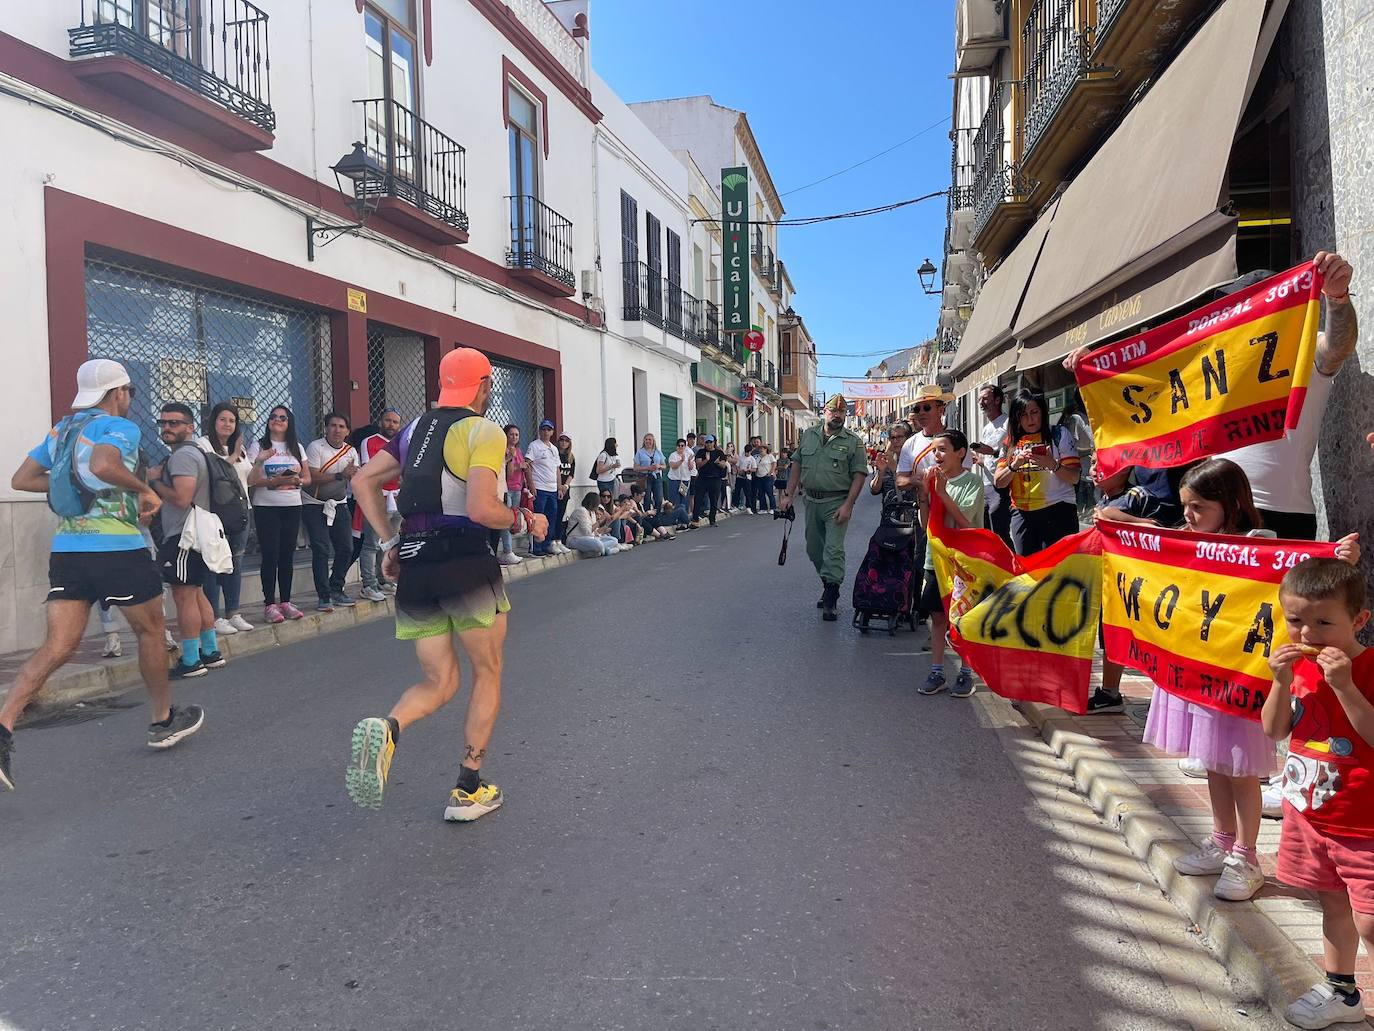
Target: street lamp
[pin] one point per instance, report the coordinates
(927, 272)
(369, 181)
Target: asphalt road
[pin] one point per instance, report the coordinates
(721, 813)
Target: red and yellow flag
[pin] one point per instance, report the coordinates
(1197, 613)
(1027, 626)
(1231, 373)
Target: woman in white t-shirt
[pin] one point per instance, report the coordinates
(1040, 468)
(279, 472)
(606, 468)
(224, 437)
(584, 535)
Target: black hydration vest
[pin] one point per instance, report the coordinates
(422, 476)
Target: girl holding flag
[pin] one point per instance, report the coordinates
(1234, 750)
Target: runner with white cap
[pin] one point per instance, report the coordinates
(89, 468)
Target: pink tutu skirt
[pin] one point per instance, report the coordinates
(1230, 745)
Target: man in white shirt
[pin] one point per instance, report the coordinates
(990, 402)
(543, 457)
(764, 483)
(324, 511)
(682, 465)
(744, 480)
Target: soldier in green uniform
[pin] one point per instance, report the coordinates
(830, 466)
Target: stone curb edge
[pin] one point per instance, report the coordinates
(89, 682)
(1250, 945)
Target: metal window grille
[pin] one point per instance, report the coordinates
(395, 372)
(517, 396)
(201, 342)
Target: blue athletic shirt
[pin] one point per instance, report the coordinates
(111, 523)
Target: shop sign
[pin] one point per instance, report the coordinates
(734, 196)
(357, 301)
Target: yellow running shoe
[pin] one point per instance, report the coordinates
(466, 806)
(373, 747)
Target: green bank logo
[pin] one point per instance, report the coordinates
(734, 226)
(734, 181)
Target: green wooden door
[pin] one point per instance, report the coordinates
(669, 422)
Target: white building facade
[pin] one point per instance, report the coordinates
(179, 211)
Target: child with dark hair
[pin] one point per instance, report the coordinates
(960, 492)
(1323, 694)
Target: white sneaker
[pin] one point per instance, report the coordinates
(224, 627)
(616, 549)
(1192, 768)
(113, 649)
(1239, 880)
(1322, 1007)
(1273, 802)
(1209, 859)
(240, 624)
(509, 558)
(561, 548)
(387, 587)
(372, 594)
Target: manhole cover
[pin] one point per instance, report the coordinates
(81, 712)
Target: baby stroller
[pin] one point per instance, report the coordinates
(885, 587)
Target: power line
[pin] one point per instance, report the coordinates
(866, 160)
(816, 219)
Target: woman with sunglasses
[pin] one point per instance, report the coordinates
(279, 473)
(1040, 467)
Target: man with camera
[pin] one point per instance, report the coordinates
(830, 465)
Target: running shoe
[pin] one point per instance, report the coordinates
(509, 558)
(214, 660)
(963, 684)
(464, 807)
(240, 624)
(370, 762)
(372, 594)
(290, 611)
(6, 758)
(181, 723)
(342, 600)
(1271, 802)
(113, 649)
(272, 614)
(325, 605)
(387, 586)
(224, 627)
(935, 683)
(1323, 1006)
(1190, 767)
(185, 671)
(1209, 859)
(1239, 880)
(1103, 702)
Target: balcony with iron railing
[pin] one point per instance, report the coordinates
(1001, 192)
(709, 334)
(421, 183)
(541, 247)
(204, 64)
(962, 170)
(1056, 47)
(642, 289)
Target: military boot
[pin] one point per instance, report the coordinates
(820, 602)
(829, 600)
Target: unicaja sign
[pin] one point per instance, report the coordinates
(734, 196)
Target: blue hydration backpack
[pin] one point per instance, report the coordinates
(67, 495)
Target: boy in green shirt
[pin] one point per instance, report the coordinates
(961, 492)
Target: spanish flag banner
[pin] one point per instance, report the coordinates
(1231, 373)
(1197, 613)
(1027, 626)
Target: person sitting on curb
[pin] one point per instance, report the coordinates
(584, 534)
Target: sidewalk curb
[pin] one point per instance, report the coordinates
(88, 682)
(1252, 947)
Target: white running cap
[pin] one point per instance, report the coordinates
(95, 379)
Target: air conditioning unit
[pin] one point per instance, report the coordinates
(591, 289)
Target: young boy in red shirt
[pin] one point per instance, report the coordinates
(1323, 694)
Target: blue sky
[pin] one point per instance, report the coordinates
(825, 85)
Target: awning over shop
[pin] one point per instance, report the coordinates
(989, 372)
(1148, 200)
(1175, 281)
(989, 329)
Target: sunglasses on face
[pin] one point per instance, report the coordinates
(172, 422)
(278, 417)
(928, 408)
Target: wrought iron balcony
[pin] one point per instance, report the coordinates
(962, 170)
(1056, 44)
(218, 49)
(643, 293)
(541, 246)
(709, 333)
(420, 166)
(1107, 10)
(675, 314)
(997, 178)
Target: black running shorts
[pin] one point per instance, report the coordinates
(454, 594)
(103, 577)
(180, 568)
